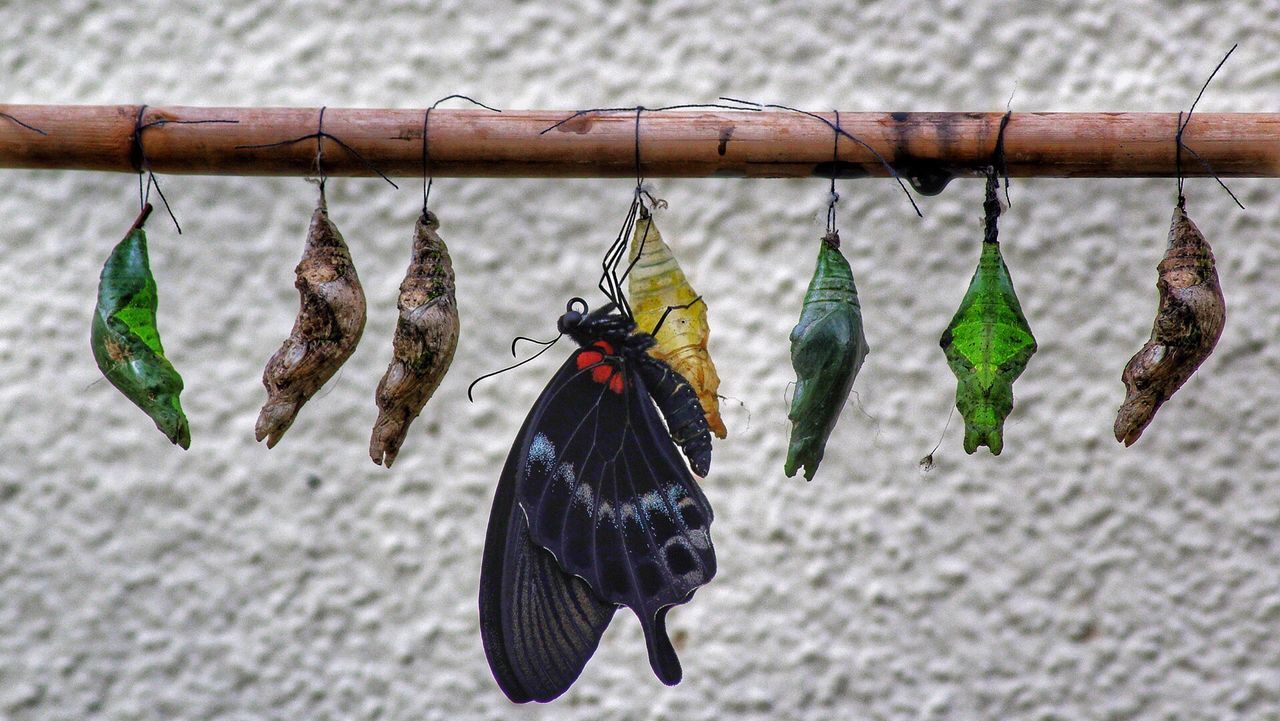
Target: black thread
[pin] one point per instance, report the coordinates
(683, 106)
(835, 160)
(427, 180)
(1179, 145)
(138, 158)
(319, 136)
(32, 128)
(998, 159)
(892, 170)
(991, 201)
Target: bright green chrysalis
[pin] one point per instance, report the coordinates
(988, 342)
(126, 343)
(827, 349)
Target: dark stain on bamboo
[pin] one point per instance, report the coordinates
(726, 132)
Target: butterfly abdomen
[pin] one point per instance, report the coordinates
(681, 409)
(659, 287)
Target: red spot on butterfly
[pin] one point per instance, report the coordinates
(589, 358)
(601, 373)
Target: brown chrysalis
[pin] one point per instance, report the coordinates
(426, 337)
(1188, 323)
(325, 333)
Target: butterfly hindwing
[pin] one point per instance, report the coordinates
(605, 490)
(539, 624)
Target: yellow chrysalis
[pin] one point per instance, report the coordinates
(656, 284)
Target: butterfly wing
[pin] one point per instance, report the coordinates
(539, 624)
(605, 490)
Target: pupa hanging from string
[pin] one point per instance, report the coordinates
(1189, 320)
(325, 333)
(828, 346)
(125, 340)
(425, 340)
(988, 342)
(331, 316)
(427, 330)
(124, 336)
(661, 293)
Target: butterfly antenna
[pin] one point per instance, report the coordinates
(1182, 127)
(535, 341)
(546, 348)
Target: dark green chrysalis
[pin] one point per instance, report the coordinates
(988, 342)
(125, 341)
(827, 349)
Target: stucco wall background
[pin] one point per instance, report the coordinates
(1069, 578)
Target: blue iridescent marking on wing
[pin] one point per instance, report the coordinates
(617, 506)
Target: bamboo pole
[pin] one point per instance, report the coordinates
(927, 148)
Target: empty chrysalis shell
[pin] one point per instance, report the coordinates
(988, 341)
(126, 342)
(426, 337)
(325, 333)
(1188, 324)
(827, 350)
(656, 284)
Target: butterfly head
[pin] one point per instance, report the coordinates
(604, 323)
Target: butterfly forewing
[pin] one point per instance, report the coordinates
(605, 490)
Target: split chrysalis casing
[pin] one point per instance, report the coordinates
(425, 340)
(325, 333)
(1188, 324)
(657, 283)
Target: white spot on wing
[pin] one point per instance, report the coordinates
(542, 452)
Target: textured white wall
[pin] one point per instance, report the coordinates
(1069, 578)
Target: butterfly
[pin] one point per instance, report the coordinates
(595, 509)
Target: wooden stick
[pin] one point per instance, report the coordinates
(927, 148)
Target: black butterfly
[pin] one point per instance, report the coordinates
(595, 509)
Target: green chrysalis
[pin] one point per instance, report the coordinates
(988, 341)
(827, 349)
(125, 341)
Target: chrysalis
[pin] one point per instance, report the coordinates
(657, 284)
(426, 337)
(125, 340)
(1188, 324)
(325, 333)
(827, 349)
(988, 341)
